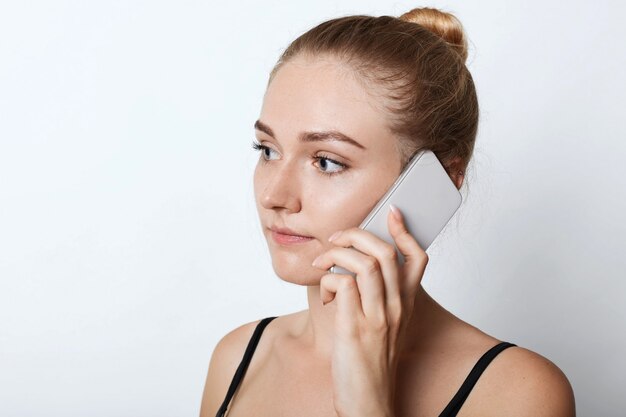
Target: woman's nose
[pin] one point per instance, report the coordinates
(282, 188)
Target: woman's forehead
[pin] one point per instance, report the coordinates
(322, 95)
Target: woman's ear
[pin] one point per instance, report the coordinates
(456, 171)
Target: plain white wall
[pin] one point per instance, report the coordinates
(129, 241)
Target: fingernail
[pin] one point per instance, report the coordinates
(334, 235)
(395, 211)
(315, 261)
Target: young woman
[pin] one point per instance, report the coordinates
(347, 105)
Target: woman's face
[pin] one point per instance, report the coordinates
(309, 180)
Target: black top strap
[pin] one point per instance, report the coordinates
(243, 365)
(457, 401)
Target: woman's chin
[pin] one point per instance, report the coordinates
(300, 273)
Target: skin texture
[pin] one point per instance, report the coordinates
(410, 354)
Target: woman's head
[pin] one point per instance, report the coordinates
(392, 86)
(414, 65)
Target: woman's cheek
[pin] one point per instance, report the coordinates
(342, 207)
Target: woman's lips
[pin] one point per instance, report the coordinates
(284, 239)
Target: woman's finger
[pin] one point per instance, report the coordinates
(369, 280)
(415, 258)
(343, 289)
(384, 252)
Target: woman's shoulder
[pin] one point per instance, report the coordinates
(230, 349)
(238, 337)
(528, 384)
(518, 381)
(225, 359)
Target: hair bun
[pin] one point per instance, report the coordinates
(443, 24)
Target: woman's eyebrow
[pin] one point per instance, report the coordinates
(328, 135)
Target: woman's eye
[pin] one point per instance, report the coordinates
(266, 151)
(329, 166)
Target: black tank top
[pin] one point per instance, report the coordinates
(451, 409)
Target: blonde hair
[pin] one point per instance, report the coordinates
(417, 61)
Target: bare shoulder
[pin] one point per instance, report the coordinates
(524, 383)
(225, 359)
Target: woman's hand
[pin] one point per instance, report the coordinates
(373, 311)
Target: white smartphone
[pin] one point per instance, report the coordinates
(425, 195)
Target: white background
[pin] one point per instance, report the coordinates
(129, 241)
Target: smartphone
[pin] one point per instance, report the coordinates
(427, 198)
